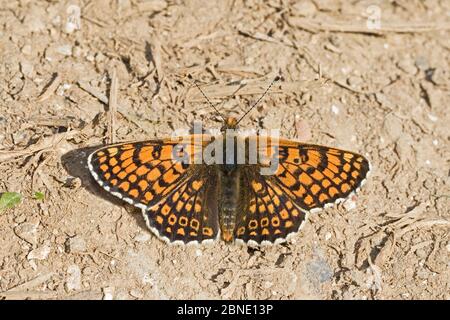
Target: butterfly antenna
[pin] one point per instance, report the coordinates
(210, 103)
(277, 78)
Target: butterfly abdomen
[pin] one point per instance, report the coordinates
(229, 193)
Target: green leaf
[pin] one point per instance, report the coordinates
(9, 200)
(39, 195)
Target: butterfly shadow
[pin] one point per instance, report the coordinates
(75, 163)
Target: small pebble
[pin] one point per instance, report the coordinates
(407, 65)
(349, 204)
(304, 9)
(73, 19)
(34, 22)
(65, 50)
(20, 218)
(142, 237)
(26, 49)
(432, 117)
(40, 253)
(27, 231)
(421, 63)
(75, 245)
(137, 293)
(354, 81)
(73, 282)
(335, 109)
(108, 293)
(421, 253)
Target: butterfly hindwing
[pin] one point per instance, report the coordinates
(270, 215)
(189, 212)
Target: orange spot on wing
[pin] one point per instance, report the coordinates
(207, 231)
(305, 179)
(323, 197)
(142, 170)
(183, 221)
(308, 200)
(345, 187)
(121, 174)
(146, 154)
(112, 151)
(326, 183)
(333, 159)
(333, 191)
(317, 175)
(154, 174)
(148, 196)
(284, 214)
(143, 184)
(332, 167)
(126, 154)
(315, 188)
(127, 162)
(328, 173)
(196, 185)
(256, 186)
(124, 186)
(134, 193)
(289, 181)
(275, 221)
(131, 168)
(165, 209)
(116, 169)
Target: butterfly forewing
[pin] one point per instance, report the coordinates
(314, 176)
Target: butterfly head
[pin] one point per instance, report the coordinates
(230, 123)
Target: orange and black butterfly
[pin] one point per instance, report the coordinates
(184, 201)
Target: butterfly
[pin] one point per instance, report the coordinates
(185, 201)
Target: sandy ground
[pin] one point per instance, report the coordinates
(383, 91)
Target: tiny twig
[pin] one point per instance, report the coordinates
(315, 26)
(112, 107)
(50, 89)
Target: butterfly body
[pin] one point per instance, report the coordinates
(227, 195)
